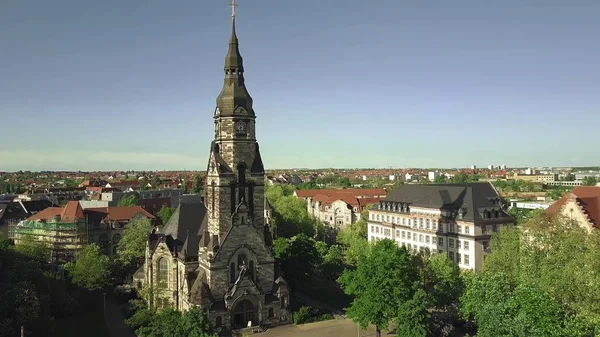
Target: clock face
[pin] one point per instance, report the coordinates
(241, 127)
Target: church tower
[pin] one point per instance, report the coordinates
(217, 255)
(235, 169)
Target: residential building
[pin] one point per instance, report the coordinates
(218, 255)
(582, 205)
(67, 229)
(432, 175)
(541, 178)
(452, 219)
(339, 207)
(63, 230)
(107, 224)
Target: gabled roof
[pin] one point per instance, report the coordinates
(117, 213)
(587, 197)
(472, 198)
(72, 212)
(186, 226)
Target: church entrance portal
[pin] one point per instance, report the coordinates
(243, 313)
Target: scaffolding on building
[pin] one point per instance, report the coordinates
(63, 238)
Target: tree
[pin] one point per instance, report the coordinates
(540, 280)
(382, 280)
(156, 181)
(169, 322)
(165, 213)
(143, 183)
(129, 200)
(442, 282)
(589, 181)
(131, 249)
(184, 186)
(441, 179)
(197, 185)
(297, 256)
(413, 317)
(353, 239)
(91, 268)
(33, 250)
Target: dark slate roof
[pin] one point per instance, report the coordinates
(472, 198)
(186, 226)
(257, 165)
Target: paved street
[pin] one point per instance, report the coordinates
(332, 328)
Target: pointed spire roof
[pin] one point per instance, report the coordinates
(233, 60)
(234, 97)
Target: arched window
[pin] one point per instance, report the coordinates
(241, 181)
(232, 272)
(251, 271)
(242, 259)
(218, 322)
(271, 313)
(163, 271)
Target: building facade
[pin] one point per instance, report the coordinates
(217, 255)
(338, 208)
(582, 205)
(457, 220)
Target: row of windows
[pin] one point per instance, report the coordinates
(458, 258)
(416, 237)
(428, 224)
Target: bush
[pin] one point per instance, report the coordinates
(302, 315)
(308, 314)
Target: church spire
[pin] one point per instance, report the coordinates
(234, 96)
(233, 60)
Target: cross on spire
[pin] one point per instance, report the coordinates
(233, 6)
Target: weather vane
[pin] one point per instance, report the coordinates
(233, 6)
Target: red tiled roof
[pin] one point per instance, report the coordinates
(588, 197)
(121, 213)
(72, 212)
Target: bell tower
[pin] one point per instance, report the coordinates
(235, 169)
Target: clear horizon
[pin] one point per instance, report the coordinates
(132, 85)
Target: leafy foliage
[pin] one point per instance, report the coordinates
(165, 213)
(169, 322)
(381, 281)
(131, 249)
(197, 184)
(589, 181)
(413, 317)
(353, 240)
(540, 280)
(129, 200)
(298, 257)
(91, 269)
(308, 314)
(290, 214)
(31, 296)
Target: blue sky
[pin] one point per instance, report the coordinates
(132, 84)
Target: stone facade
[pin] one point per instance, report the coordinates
(217, 255)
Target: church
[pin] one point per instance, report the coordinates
(217, 254)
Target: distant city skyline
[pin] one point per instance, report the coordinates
(131, 85)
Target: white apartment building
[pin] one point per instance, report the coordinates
(453, 219)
